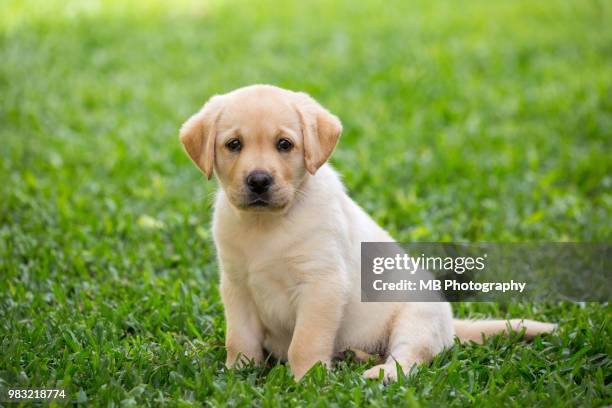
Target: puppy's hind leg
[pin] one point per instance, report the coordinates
(418, 332)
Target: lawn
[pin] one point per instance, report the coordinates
(464, 121)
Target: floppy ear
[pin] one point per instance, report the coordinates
(198, 136)
(321, 131)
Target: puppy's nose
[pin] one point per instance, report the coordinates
(259, 181)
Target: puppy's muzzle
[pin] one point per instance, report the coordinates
(258, 183)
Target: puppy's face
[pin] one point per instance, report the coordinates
(259, 151)
(262, 142)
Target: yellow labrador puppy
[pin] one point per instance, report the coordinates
(288, 240)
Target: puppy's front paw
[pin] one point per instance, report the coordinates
(236, 360)
(239, 359)
(389, 372)
(300, 369)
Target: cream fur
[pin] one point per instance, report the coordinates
(290, 276)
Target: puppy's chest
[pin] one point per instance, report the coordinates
(274, 294)
(274, 283)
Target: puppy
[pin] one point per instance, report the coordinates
(288, 240)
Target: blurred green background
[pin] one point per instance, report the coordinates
(464, 121)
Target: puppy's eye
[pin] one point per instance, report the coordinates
(284, 145)
(234, 145)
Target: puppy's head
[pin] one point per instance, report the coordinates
(261, 141)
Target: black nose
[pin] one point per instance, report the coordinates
(259, 181)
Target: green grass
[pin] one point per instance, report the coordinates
(464, 121)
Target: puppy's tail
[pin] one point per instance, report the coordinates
(473, 330)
